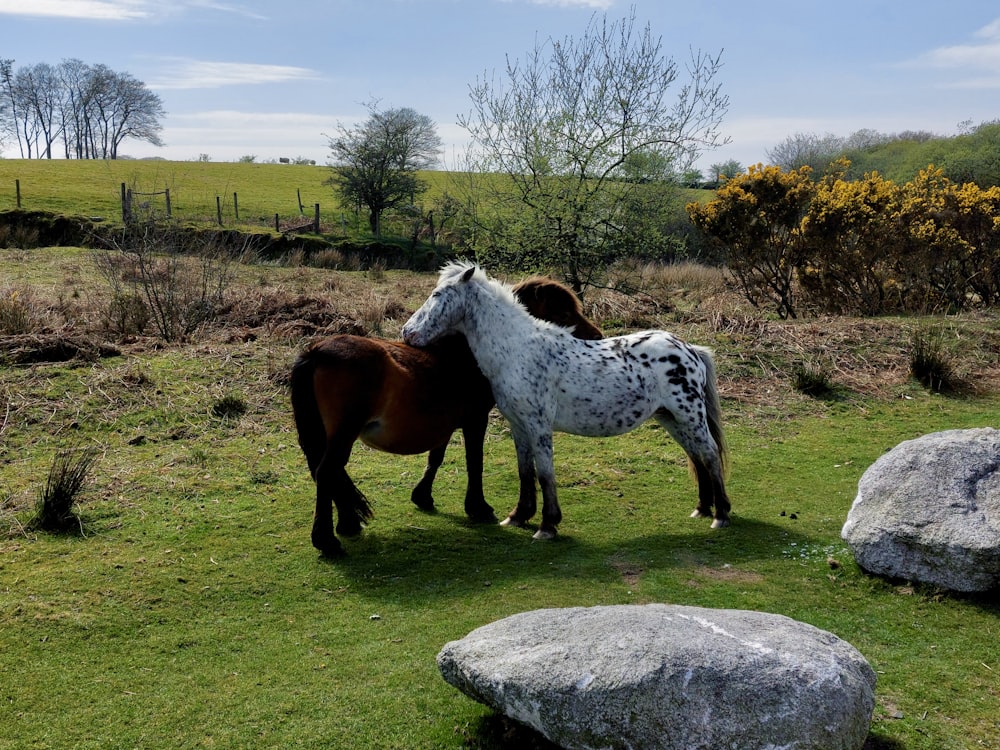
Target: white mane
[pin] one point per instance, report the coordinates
(452, 271)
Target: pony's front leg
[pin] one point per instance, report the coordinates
(526, 501)
(551, 512)
(474, 435)
(422, 495)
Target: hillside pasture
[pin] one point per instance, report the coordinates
(93, 188)
(189, 609)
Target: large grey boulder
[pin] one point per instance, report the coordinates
(929, 511)
(668, 676)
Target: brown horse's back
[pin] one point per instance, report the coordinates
(395, 397)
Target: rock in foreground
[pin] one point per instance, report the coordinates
(929, 511)
(666, 676)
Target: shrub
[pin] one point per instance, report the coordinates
(54, 510)
(330, 258)
(930, 364)
(229, 407)
(812, 379)
(127, 314)
(14, 314)
(182, 278)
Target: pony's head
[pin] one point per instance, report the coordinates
(444, 311)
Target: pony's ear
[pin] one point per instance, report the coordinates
(468, 274)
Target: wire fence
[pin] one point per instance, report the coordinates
(411, 225)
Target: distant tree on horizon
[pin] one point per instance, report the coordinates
(375, 164)
(90, 110)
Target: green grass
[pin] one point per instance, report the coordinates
(93, 188)
(194, 612)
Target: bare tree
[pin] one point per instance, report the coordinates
(76, 88)
(92, 109)
(569, 126)
(726, 170)
(135, 113)
(39, 87)
(6, 105)
(806, 150)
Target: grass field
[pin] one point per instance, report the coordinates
(190, 609)
(93, 188)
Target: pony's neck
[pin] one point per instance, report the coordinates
(496, 325)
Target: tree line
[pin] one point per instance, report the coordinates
(75, 110)
(973, 155)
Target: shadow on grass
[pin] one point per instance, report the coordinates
(877, 742)
(498, 732)
(455, 558)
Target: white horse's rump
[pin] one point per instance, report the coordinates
(545, 380)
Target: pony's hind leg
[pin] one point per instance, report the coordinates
(335, 487)
(711, 492)
(527, 501)
(706, 460)
(551, 512)
(422, 496)
(323, 537)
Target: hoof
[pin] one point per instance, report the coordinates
(423, 501)
(720, 523)
(483, 517)
(544, 534)
(330, 548)
(509, 521)
(351, 532)
(699, 513)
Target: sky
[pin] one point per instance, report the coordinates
(273, 79)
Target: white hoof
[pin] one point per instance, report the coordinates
(511, 522)
(698, 514)
(720, 523)
(544, 534)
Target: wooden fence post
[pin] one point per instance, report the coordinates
(125, 201)
(316, 220)
(236, 206)
(17, 189)
(298, 192)
(218, 209)
(167, 193)
(277, 224)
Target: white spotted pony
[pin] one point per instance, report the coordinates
(543, 380)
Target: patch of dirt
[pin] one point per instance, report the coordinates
(630, 572)
(727, 573)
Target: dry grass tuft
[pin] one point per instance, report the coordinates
(54, 511)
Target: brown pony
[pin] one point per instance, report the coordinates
(401, 399)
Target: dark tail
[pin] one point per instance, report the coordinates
(713, 410)
(311, 430)
(308, 422)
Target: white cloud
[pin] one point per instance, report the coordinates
(236, 10)
(182, 73)
(978, 61)
(227, 135)
(597, 4)
(97, 10)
